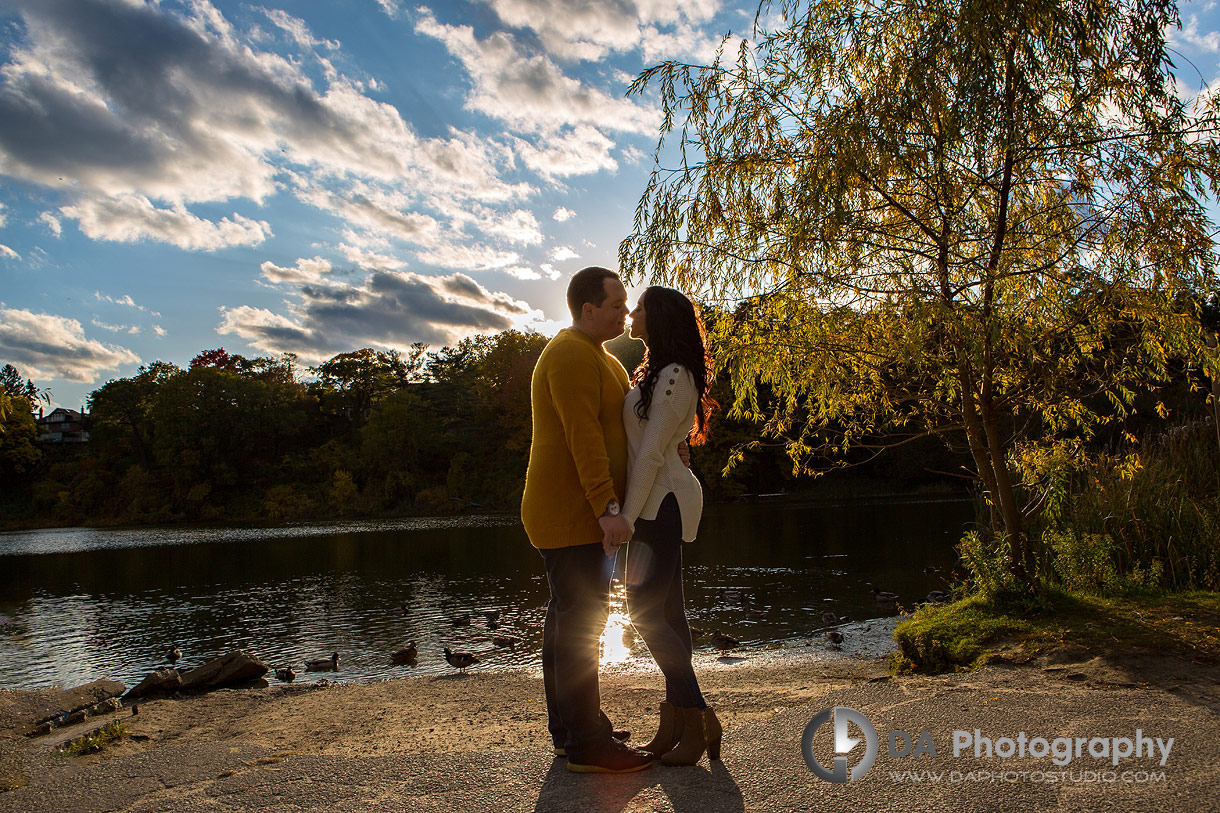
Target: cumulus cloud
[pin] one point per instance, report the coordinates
(390, 309)
(580, 151)
(136, 112)
(306, 271)
(7, 253)
(561, 253)
(470, 257)
(528, 90)
(522, 272)
(132, 218)
(49, 346)
(1207, 41)
(562, 213)
(580, 30)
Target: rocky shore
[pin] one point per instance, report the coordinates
(478, 741)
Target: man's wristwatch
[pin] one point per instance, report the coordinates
(612, 509)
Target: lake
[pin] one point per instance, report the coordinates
(79, 604)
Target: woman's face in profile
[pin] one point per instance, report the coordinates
(639, 322)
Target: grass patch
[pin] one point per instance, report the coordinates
(966, 634)
(95, 741)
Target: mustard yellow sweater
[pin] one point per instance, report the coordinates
(578, 454)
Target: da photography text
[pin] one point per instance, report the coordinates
(854, 755)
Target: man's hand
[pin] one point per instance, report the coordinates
(615, 533)
(684, 453)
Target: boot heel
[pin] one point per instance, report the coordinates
(713, 749)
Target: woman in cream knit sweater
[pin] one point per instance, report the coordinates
(668, 402)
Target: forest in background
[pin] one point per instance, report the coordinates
(367, 433)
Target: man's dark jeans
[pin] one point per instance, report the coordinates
(579, 577)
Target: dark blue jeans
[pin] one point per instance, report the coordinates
(579, 577)
(654, 599)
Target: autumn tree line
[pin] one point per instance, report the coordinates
(365, 433)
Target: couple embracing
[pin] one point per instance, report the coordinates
(607, 466)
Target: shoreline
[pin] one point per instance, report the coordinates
(848, 493)
(479, 741)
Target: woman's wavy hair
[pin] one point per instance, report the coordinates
(675, 336)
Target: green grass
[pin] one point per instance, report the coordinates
(966, 634)
(97, 740)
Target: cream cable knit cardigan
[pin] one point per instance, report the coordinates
(653, 466)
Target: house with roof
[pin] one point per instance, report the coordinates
(62, 426)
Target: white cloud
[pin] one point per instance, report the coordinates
(580, 151)
(561, 253)
(48, 346)
(296, 28)
(136, 111)
(522, 272)
(1209, 41)
(528, 90)
(393, 8)
(125, 300)
(562, 214)
(132, 218)
(518, 226)
(3, 217)
(389, 309)
(105, 326)
(578, 29)
(470, 257)
(51, 222)
(160, 331)
(364, 258)
(307, 271)
(7, 253)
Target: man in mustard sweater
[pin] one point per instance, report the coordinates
(574, 487)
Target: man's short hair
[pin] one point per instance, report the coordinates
(588, 285)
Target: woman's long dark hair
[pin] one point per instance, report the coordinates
(675, 336)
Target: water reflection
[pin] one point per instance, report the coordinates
(85, 604)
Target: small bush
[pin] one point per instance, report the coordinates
(95, 741)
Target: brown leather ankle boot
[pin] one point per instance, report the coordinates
(669, 731)
(700, 731)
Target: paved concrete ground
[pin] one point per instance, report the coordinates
(762, 769)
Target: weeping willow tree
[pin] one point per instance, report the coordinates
(983, 221)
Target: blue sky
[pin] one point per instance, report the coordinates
(319, 176)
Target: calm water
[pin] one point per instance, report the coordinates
(81, 604)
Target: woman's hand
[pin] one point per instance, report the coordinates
(684, 453)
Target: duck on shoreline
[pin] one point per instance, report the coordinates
(460, 660)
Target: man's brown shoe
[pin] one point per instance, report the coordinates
(612, 758)
(618, 734)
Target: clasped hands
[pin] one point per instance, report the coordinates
(615, 530)
(615, 533)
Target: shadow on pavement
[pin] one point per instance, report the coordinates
(693, 789)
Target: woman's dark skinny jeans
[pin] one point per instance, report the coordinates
(653, 574)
